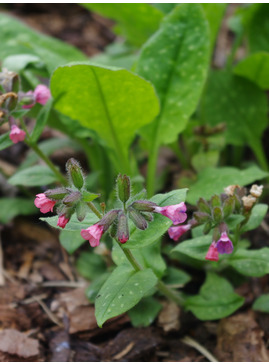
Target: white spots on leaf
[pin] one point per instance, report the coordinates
(131, 292)
(122, 305)
(136, 284)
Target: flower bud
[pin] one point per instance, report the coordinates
(108, 219)
(123, 230)
(248, 202)
(70, 199)
(215, 201)
(147, 215)
(217, 214)
(229, 190)
(203, 206)
(75, 173)
(228, 206)
(81, 209)
(137, 218)
(123, 188)
(256, 190)
(207, 227)
(143, 205)
(201, 217)
(57, 193)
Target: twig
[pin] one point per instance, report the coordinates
(51, 316)
(63, 284)
(194, 344)
(125, 351)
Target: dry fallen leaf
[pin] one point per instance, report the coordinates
(168, 318)
(240, 339)
(14, 342)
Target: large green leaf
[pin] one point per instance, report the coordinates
(16, 38)
(253, 263)
(262, 303)
(215, 300)
(160, 224)
(255, 68)
(122, 291)
(145, 312)
(11, 207)
(33, 176)
(70, 240)
(145, 17)
(175, 60)
(240, 104)
(212, 181)
(90, 265)
(115, 103)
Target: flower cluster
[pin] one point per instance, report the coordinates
(12, 100)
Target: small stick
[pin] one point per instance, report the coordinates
(52, 317)
(125, 351)
(194, 344)
(63, 284)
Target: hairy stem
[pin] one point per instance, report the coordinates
(94, 210)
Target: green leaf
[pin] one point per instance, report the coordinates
(215, 300)
(262, 303)
(233, 220)
(257, 215)
(33, 176)
(122, 291)
(203, 160)
(145, 17)
(176, 277)
(145, 312)
(255, 68)
(89, 196)
(90, 265)
(5, 141)
(213, 180)
(41, 121)
(70, 240)
(214, 14)
(11, 207)
(159, 225)
(95, 286)
(237, 102)
(257, 27)
(73, 224)
(16, 38)
(18, 62)
(175, 60)
(195, 248)
(115, 103)
(164, 7)
(253, 263)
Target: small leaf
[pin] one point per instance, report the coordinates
(90, 265)
(253, 263)
(122, 291)
(41, 121)
(95, 286)
(73, 224)
(33, 176)
(70, 240)
(262, 303)
(215, 300)
(195, 248)
(257, 215)
(145, 312)
(177, 277)
(89, 196)
(12, 207)
(5, 141)
(222, 177)
(255, 68)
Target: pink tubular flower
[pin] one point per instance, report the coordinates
(16, 134)
(174, 212)
(175, 232)
(62, 221)
(212, 253)
(42, 94)
(43, 203)
(93, 234)
(224, 244)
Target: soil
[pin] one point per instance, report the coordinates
(44, 314)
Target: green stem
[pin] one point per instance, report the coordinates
(152, 170)
(94, 210)
(166, 291)
(39, 152)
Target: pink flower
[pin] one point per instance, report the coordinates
(212, 253)
(42, 94)
(93, 234)
(16, 134)
(224, 244)
(174, 212)
(123, 238)
(43, 203)
(62, 221)
(175, 232)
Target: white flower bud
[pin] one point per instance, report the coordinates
(256, 190)
(248, 201)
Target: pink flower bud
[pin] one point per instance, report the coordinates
(43, 203)
(212, 253)
(16, 134)
(42, 94)
(29, 99)
(224, 244)
(62, 221)
(93, 234)
(174, 212)
(175, 232)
